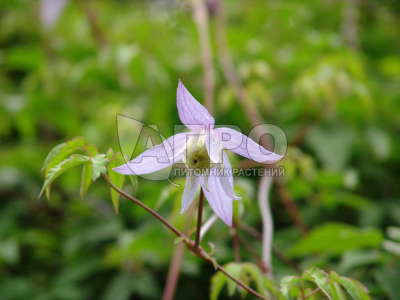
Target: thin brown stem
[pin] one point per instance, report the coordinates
(241, 284)
(173, 272)
(199, 218)
(235, 242)
(291, 207)
(190, 244)
(145, 207)
(95, 28)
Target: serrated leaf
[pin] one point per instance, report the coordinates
(341, 295)
(72, 161)
(99, 163)
(234, 269)
(322, 280)
(114, 177)
(217, 284)
(86, 179)
(255, 274)
(60, 152)
(290, 287)
(354, 288)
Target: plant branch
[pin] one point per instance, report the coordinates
(145, 207)
(291, 207)
(199, 218)
(190, 244)
(235, 242)
(91, 16)
(173, 272)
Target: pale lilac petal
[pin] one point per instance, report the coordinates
(191, 187)
(214, 147)
(227, 178)
(194, 115)
(219, 201)
(157, 157)
(50, 10)
(243, 145)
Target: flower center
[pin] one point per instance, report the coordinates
(196, 153)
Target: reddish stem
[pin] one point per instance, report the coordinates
(190, 244)
(173, 272)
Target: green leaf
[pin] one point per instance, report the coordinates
(354, 288)
(336, 238)
(115, 178)
(322, 280)
(217, 283)
(234, 269)
(340, 294)
(99, 163)
(262, 282)
(290, 287)
(86, 179)
(60, 152)
(91, 150)
(72, 161)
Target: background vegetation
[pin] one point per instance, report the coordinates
(326, 71)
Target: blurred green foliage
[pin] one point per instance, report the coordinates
(300, 73)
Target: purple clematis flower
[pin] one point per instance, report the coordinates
(202, 151)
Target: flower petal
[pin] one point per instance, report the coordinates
(194, 115)
(214, 147)
(157, 157)
(50, 11)
(227, 178)
(243, 145)
(191, 186)
(219, 201)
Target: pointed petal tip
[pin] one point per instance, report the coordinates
(180, 85)
(191, 112)
(123, 169)
(228, 222)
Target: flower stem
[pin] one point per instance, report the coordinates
(190, 244)
(199, 218)
(235, 242)
(145, 207)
